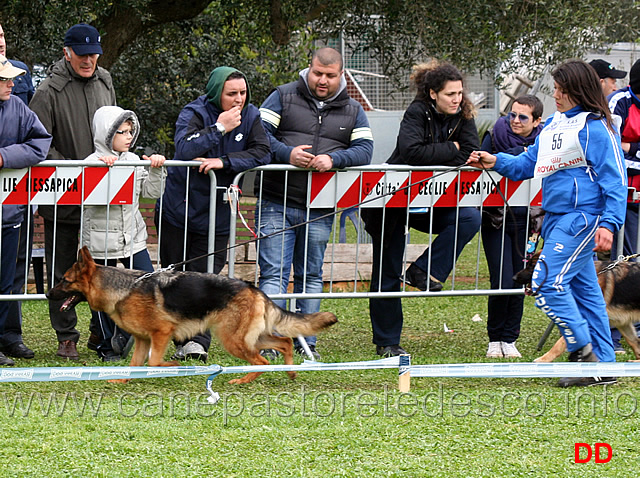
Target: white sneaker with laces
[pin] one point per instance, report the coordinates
(494, 350)
(509, 350)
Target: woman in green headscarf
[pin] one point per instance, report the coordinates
(223, 131)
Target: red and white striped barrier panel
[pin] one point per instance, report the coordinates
(416, 189)
(91, 186)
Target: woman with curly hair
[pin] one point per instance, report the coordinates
(437, 129)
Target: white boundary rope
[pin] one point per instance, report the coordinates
(402, 363)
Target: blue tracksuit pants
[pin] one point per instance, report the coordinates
(567, 284)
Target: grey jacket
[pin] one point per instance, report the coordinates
(125, 232)
(65, 104)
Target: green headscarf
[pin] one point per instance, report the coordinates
(216, 82)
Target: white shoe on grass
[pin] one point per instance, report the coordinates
(495, 350)
(509, 350)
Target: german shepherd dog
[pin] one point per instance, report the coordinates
(621, 290)
(156, 307)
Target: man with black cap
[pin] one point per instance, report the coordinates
(23, 143)
(65, 102)
(608, 75)
(625, 104)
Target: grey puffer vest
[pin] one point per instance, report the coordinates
(327, 129)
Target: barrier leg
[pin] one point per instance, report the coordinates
(545, 335)
(404, 370)
(306, 348)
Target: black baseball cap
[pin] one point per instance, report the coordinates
(604, 70)
(83, 39)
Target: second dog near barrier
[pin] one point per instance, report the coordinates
(621, 290)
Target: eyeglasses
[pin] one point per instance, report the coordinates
(524, 119)
(129, 132)
(6, 79)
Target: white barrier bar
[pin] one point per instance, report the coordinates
(528, 370)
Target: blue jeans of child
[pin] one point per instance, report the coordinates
(141, 262)
(301, 247)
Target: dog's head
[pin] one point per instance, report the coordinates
(524, 276)
(73, 287)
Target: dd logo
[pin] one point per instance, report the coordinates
(595, 451)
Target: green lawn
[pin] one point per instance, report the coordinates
(347, 423)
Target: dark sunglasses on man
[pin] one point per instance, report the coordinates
(524, 119)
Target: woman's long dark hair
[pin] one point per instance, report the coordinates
(434, 76)
(581, 82)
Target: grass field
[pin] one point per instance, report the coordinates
(347, 423)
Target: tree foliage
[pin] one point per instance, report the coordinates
(160, 52)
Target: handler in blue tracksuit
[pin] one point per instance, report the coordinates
(580, 160)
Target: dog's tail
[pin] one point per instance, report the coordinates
(289, 324)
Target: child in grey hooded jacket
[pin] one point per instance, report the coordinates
(118, 232)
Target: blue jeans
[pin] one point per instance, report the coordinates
(277, 253)
(455, 228)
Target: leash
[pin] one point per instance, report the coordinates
(235, 195)
(620, 260)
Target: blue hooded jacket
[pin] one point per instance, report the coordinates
(24, 141)
(600, 189)
(244, 147)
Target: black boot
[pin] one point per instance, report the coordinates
(585, 354)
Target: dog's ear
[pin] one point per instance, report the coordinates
(84, 256)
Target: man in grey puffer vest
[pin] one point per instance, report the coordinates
(312, 124)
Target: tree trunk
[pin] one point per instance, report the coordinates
(123, 25)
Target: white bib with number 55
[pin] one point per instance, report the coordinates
(559, 146)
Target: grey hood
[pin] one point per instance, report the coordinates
(106, 122)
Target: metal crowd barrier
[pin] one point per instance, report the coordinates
(340, 192)
(347, 266)
(81, 183)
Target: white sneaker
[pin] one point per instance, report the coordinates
(494, 350)
(509, 350)
(193, 350)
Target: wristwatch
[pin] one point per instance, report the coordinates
(220, 127)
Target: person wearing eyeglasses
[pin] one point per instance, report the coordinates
(23, 142)
(118, 233)
(505, 232)
(12, 343)
(65, 102)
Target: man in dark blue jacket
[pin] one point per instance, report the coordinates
(23, 142)
(223, 131)
(12, 344)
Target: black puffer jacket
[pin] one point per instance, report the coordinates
(426, 137)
